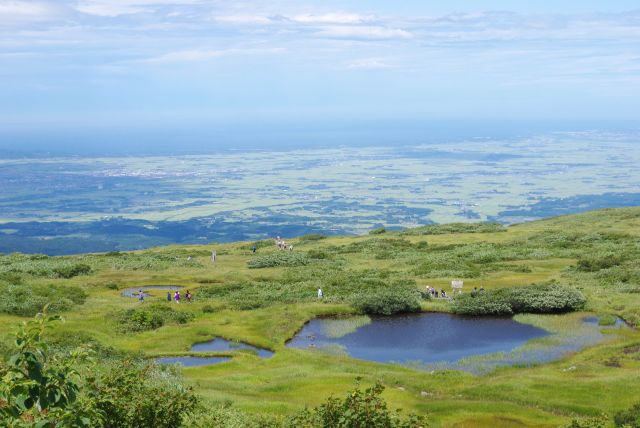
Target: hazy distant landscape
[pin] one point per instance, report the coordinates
(70, 205)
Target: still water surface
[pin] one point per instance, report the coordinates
(427, 338)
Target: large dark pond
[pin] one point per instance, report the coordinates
(425, 338)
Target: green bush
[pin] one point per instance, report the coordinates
(318, 254)
(71, 271)
(28, 300)
(443, 229)
(312, 237)
(208, 309)
(538, 299)
(151, 317)
(387, 301)
(359, 409)
(628, 418)
(42, 389)
(596, 422)
(598, 262)
(481, 304)
(132, 394)
(378, 231)
(279, 259)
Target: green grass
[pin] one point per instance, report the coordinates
(267, 306)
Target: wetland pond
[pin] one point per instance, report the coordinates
(440, 340)
(135, 292)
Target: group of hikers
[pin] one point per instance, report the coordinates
(282, 244)
(176, 297)
(435, 294)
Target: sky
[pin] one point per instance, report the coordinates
(168, 73)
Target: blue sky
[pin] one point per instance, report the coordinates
(121, 67)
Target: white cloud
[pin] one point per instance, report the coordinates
(363, 33)
(200, 55)
(244, 19)
(113, 8)
(332, 18)
(368, 64)
(22, 11)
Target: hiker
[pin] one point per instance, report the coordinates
(254, 249)
(481, 289)
(474, 292)
(443, 294)
(214, 256)
(176, 297)
(320, 295)
(188, 296)
(168, 296)
(141, 295)
(290, 247)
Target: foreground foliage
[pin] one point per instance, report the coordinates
(41, 388)
(359, 409)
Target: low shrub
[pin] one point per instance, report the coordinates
(112, 285)
(539, 299)
(28, 300)
(151, 317)
(318, 254)
(208, 309)
(312, 237)
(358, 409)
(443, 229)
(628, 418)
(387, 301)
(378, 231)
(279, 259)
(72, 270)
(595, 422)
(598, 262)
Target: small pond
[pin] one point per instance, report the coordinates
(192, 361)
(438, 340)
(219, 344)
(427, 338)
(135, 292)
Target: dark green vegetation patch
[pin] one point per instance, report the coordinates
(536, 299)
(150, 317)
(23, 299)
(443, 229)
(280, 259)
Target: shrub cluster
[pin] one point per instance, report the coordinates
(279, 259)
(387, 301)
(358, 409)
(540, 299)
(443, 229)
(151, 317)
(378, 231)
(72, 270)
(628, 418)
(40, 388)
(599, 262)
(29, 299)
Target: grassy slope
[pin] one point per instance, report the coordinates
(541, 396)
